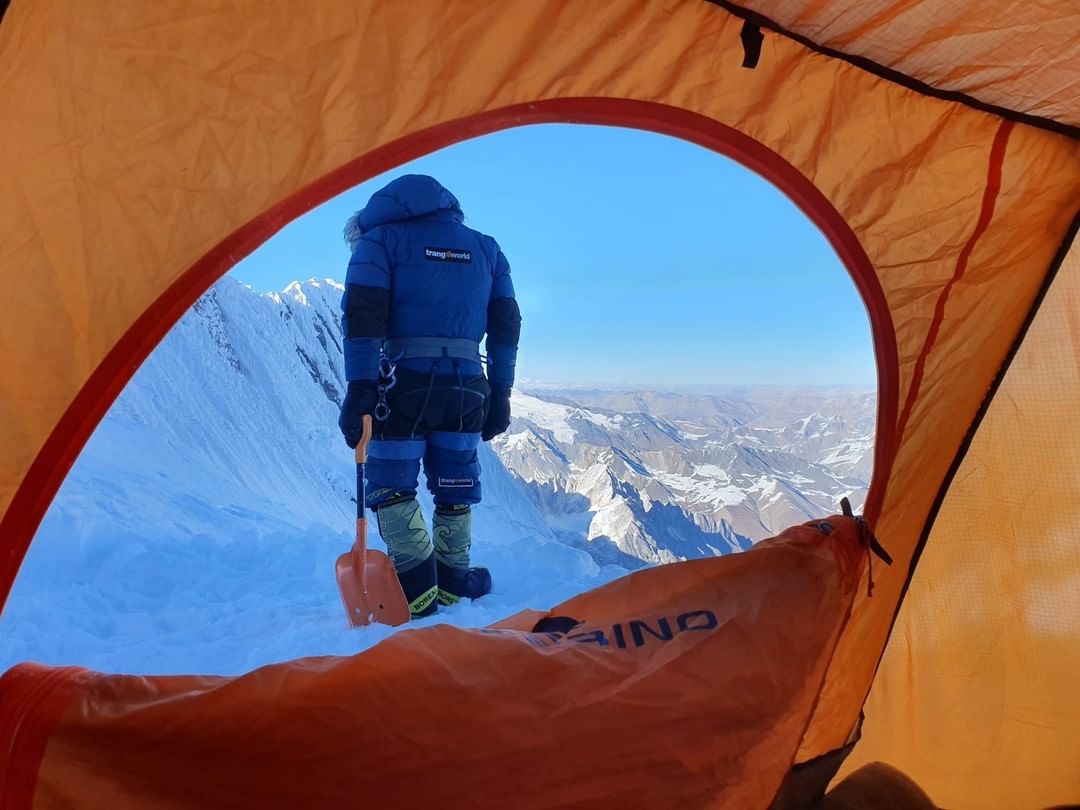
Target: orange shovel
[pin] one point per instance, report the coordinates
(366, 578)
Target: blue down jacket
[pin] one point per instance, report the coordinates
(417, 272)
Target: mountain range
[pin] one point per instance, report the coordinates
(644, 477)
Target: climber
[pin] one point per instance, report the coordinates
(421, 291)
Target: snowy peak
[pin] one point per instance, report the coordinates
(321, 293)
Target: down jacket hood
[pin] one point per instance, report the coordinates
(411, 196)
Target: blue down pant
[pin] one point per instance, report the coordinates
(450, 462)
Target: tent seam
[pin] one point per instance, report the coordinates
(986, 214)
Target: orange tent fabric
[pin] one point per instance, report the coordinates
(147, 147)
(621, 710)
(984, 659)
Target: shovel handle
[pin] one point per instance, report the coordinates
(365, 439)
(360, 546)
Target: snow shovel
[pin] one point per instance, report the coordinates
(366, 578)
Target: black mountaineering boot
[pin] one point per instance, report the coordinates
(452, 528)
(456, 584)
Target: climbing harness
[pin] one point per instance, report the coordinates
(396, 349)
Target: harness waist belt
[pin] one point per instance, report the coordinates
(459, 348)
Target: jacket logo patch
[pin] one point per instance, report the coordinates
(455, 483)
(448, 255)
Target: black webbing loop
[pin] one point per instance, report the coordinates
(752, 38)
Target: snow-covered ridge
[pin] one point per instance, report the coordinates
(198, 530)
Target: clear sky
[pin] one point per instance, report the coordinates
(637, 259)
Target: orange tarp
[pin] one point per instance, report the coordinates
(686, 685)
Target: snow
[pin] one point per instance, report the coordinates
(545, 415)
(557, 418)
(712, 471)
(849, 452)
(197, 532)
(600, 420)
(711, 484)
(251, 593)
(522, 441)
(694, 436)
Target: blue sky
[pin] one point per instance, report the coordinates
(637, 258)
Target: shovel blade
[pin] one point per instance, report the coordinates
(372, 594)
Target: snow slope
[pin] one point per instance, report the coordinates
(198, 530)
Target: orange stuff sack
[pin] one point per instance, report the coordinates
(688, 685)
